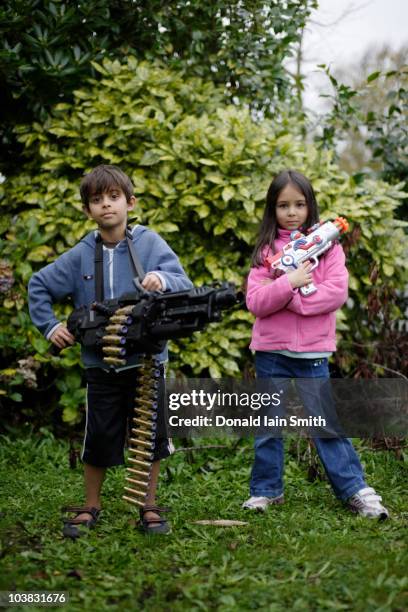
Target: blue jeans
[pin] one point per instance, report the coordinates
(340, 460)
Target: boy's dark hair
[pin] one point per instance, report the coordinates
(269, 227)
(101, 179)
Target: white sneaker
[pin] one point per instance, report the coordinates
(367, 503)
(261, 503)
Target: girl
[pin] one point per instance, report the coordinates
(293, 337)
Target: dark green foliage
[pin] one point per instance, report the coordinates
(48, 48)
(309, 554)
(388, 135)
(384, 129)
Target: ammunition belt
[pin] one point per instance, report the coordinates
(142, 440)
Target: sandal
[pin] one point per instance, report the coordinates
(71, 525)
(154, 525)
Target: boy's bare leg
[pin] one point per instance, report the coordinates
(151, 493)
(94, 477)
(154, 476)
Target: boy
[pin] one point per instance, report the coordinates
(107, 196)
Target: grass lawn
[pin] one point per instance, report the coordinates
(309, 554)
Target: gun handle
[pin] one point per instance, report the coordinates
(308, 289)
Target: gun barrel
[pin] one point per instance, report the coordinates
(342, 224)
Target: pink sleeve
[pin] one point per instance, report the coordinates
(266, 296)
(331, 293)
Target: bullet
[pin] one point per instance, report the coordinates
(148, 413)
(140, 463)
(133, 501)
(144, 432)
(136, 491)
(124, 310)
(138, 473)
(149, 445)
(114, 361)
(148, 394)
(140, 483)
(141, 453)
(149, 403)
(112, 339)
(116, 329)
(154, 384)
(145, 380)
(121, 319)
(149, 424)
(149, 374)
(114, 350)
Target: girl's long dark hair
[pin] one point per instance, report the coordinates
(269, 227)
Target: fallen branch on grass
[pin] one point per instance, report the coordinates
(222, 523)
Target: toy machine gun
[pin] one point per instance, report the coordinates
(142, 322)
(306, 247)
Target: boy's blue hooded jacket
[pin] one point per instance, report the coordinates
(72, 274)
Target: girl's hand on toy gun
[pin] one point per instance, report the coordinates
(62, 337)
(152, 282)
(302, 276)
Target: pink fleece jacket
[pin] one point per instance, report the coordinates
(286, 320)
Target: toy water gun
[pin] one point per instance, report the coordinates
(306, 247)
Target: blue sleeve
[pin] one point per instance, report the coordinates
(162, 259)
(51, 284)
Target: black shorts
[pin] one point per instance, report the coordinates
(110, 406)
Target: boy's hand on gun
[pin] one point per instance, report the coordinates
(152, 282)
(302, 276)
(62, 337)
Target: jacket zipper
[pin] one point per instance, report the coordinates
(297, 332)
(110, 263)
